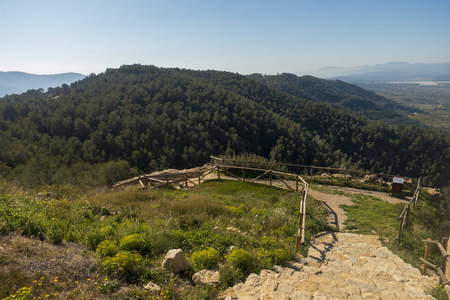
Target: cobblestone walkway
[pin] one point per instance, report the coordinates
(338, 266)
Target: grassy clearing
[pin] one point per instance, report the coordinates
(84, 245)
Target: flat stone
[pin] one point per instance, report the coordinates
(307, 286)
(228, 294)
(206, 277)
(253, 280)
(152, 288)
(269, 286)
(299, 295)
(285, 288)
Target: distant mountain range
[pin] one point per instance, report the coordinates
(389, 72)
(19, 82)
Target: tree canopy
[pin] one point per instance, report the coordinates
(138, 119)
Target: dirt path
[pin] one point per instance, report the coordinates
(380, 195)
(336, 215)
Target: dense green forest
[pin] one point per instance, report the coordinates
(342, 95)
(138, 119)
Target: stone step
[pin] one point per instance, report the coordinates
(338, 266)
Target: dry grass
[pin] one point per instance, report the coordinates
(24, 261)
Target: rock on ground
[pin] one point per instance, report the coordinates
(175, 261)
(206, 277)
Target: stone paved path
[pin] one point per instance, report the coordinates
(338, 266)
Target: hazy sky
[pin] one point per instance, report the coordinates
(85, 36)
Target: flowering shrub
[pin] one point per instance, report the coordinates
(134, 242)
(123, 264)
(206, 259)
(107, 249)
(240, 259)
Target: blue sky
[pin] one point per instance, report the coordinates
(49, 36)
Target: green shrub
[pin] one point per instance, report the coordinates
(107, 249)
(229, 276)
(56, 233)
(206, 259)
(279, 256)
(133, 242)
(161, 242)
(123, 264)
(240, 260)
(94, 238)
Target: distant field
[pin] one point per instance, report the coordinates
(433, 100)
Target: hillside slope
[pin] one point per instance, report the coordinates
(341, 95)
(155, 118)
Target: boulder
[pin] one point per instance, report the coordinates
(206, 277)
(175, 261)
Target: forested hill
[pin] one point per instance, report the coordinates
(143, 118)
(342, 95)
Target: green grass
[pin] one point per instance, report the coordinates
(140, 227)
(370, 215)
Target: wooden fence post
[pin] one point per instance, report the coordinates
(447, 268)
(400, 229)
(270, 177)
(296, 184)
(443, 258)
(218, 172)
(427, 253)
(243, 175)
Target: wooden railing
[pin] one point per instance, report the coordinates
(404, 216)
(289, 181)
(162, 179)
(445, 258)
(332, 175)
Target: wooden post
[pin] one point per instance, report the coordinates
(296, 184)
(186, 181)
(199, 179)
(270, 178)
(243, 175)
(443, 258)
(447, 268)
(218, 172)
(400, 229)
(427, 253)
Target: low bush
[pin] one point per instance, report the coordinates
(124, 265)
(94, 237)
(133, 242)
(107, 249)
(279, 256)
(240, 260)
(205, 259)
